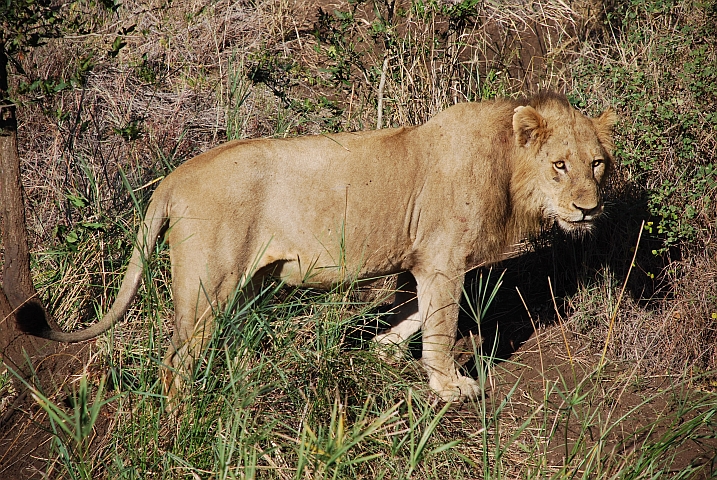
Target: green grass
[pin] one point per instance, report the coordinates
(284, 392)
(287, 388)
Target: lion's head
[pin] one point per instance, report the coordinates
(567, 157)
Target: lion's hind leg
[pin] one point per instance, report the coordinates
(179, 361)
(196, 305)
(194, 310)
(191, 339)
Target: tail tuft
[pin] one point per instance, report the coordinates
(32, 319)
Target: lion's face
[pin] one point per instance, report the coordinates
(571, 154)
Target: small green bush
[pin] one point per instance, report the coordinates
(659, 68)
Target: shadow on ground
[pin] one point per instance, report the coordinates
(537, 285)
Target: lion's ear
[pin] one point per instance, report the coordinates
(529, 126)
(604, 125)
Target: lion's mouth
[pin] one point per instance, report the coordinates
(571, 225)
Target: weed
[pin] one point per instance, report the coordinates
(671, 110)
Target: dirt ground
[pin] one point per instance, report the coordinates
(25, 434)
(639, 412)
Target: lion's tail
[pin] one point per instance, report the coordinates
(32, 319)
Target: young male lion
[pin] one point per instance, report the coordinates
(428, 202)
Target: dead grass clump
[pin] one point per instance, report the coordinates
(694, 310)
(161, 94)
(679, 331)
(416, 59)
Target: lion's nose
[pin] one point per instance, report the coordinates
(588, 211)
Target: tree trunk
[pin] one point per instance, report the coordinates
(45, 365)
(17, 287)
(17, 281)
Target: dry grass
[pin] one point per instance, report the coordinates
(665, 337)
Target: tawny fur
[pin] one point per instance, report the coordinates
(428, 202)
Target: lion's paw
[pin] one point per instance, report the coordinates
(390, 347)
(457, 389)
(392, 353)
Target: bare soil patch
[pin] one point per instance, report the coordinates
(556, 370)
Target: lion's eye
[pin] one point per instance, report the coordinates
(597, 163)
(560, 165)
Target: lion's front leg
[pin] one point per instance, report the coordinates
(438, 299)
(406, 319)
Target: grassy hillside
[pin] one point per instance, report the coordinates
(617, 378)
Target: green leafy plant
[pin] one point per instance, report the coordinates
(671, 112)
(73, 431)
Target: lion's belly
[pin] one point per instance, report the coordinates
(317, 263)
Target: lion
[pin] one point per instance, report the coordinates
(429, 203)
